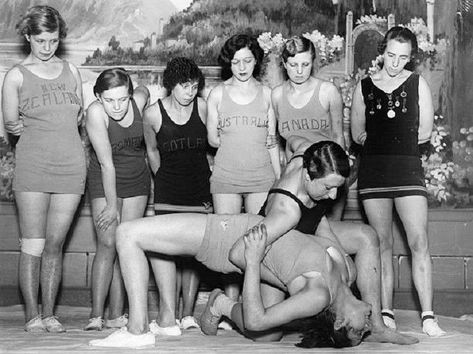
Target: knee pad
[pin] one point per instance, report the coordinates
(32, 246)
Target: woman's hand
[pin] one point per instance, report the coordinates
(107, 217)
(14, 127)
(255, 244)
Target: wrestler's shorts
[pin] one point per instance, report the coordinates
(221, 232)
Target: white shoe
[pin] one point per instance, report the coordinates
(225, 325)
(164, 331)
(118, 322)
(124, 339)
(431, 328)
(95, 324)
(189, 322)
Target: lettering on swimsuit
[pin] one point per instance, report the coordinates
(238, 120)
(304, 124)
(184, 144)
(53, 94)
(135, 142)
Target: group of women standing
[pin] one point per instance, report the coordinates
(42, 103)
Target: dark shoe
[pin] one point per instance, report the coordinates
(208, 321)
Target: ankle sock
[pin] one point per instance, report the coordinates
(222, 306)
(388, 318)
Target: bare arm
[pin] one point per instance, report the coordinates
(141, 97)
(335, 109)
(151, 126)
(10, 101)
(358, 120)
(98, 135)
(309, 301)
(283, 215)
(79, 93)
(213, 101)
(426, 111)
(273, 146)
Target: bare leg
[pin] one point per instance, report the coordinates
(413, 213)
(380, 217)
(103, 265)
(229, 204)
(32, 212)
(173, 234)
(62, 208)
(190, 285)
(164, 269)
(132, 209)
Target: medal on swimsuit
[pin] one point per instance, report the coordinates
(404, 100)
(391, 113)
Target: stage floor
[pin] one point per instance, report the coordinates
(13, 339)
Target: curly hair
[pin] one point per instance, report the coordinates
(296, 45)
(111, 78)
(234, 44)
(39, 19)
(326, 157)
(181, 70)
(403, 35)
(319, 332)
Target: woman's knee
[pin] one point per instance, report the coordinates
(123, 237)
(369, 237)
(419, 243)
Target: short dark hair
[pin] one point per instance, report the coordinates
(39, 19)
(296, 45)
(403, 35)
(319, 332)
(325, 157)
(234, 44)
(111, 78)
(181, 70)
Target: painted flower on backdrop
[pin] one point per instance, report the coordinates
(380, 21)
(270, 43)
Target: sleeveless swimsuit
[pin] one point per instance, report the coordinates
(390, 164)
(49, 155)
(242, 163)
(311, 121)
(183, 176)
(128, 154)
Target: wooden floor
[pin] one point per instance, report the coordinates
(13, 339)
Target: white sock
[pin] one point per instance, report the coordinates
(222, 306)
(430, 325)
(388, 318)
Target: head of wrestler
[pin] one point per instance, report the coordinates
(325, 168)
(241, 58)
(298, 57)
(342, 324)
(183, 80)
(114, 88)
(43, 27)
(399, 49)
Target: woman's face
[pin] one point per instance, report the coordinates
(115, 102)
(356, 319)
(185, 93)
(324, 187)
(243, 64)
(396, 56)
(44, 45)
(299, 67)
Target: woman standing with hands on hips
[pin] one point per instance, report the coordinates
(42, 104)
(118, 183)
(176, 142)
(240, 122)
(392, 113)
(308, 107)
